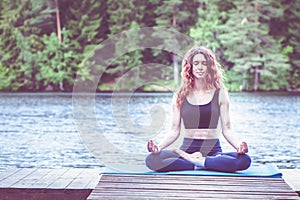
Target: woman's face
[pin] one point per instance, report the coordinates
(199, 66)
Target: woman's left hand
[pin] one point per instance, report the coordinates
(243, 148)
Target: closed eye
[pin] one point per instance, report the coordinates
(197, 63)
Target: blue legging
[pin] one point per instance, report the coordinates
(215, 160)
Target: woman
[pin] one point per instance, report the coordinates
(202, 104)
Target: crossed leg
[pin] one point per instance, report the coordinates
(225, 162)
(196, 158)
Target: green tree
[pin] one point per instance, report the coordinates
(85, 20)
(178, 15)
(125, 17)
(292, 18)
(19, 43)
(286, 29)
(8, 52)
(57, 63)
(256, 55)
(43, 16)
(205, 31)
(85, 24)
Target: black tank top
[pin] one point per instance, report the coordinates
(201, 116)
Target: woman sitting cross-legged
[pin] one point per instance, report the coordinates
(202, 104)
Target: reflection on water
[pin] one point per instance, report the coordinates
(39, 130)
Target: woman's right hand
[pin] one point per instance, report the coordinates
(153, 148)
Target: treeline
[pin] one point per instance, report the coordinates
(46, 44)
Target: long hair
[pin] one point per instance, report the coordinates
(213, 79)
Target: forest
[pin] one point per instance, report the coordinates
(45, 45)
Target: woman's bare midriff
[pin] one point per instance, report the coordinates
(202, 133)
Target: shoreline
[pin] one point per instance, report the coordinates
(140, 92)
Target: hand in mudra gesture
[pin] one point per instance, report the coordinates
(243, 148)
(152, 147)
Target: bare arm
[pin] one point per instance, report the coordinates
(175, 127)
(229, 135)
(172, 135)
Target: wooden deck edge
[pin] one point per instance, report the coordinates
(43, 193)
(74, 188)
(292, 177)
(43, 183)
(190, 187)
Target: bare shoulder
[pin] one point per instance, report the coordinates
(174, 98)
(174, 101)
(223, 96)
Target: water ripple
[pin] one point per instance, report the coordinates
(38, 130)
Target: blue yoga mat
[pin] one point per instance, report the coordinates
(267, 170)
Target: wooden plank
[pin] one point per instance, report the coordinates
(11, 180)
(49, 178)
(42, 178)
(207, 178)
(213, 196)
(31, 179)
(191, 176)
(43, 183)
(8, 172)
(138, 178)
(65, 179)
(219, 187)
(180, 195)
(196, 181)
(292, 178)
(161, 192)
(93, 183)
(87, 179)
(190, 187)
(191, 195)
(160, 198)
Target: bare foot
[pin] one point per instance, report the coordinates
(196, 158)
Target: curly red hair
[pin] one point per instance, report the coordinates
(214, 78)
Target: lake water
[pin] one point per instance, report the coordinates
(42, 130)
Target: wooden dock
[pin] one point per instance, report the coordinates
(83, 183)
(31, 183)
(120, 186)
(292, 178)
